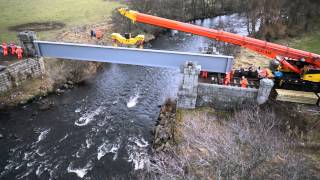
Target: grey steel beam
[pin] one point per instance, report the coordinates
(120, 55)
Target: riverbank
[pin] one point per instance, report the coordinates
(254, 142)
(164, 131)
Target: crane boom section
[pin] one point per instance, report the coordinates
(268, 49)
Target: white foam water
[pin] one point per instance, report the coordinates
(107, 147)
(138, 153)
(30, 164)
(109, 129)
(87, 117)
(28, 155)
(80, 172)
(40, 154)
(141, 143)
(133, 101)
(43, 135)
(25, 174)
(65, 137)
(139, 159)
(88, 143)
(78, 154)
(39, 170)
(81, 152)
(19, 166)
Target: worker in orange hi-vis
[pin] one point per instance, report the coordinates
(231, 74)
(4, 49)
(201, 74)
(266, 73)
(227, 79)
(12, 48)
(244, 82)
(19, 52)
(99, 34)
(204, 74)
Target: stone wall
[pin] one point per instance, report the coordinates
(18, 72)
(224, 97)
(193, 94)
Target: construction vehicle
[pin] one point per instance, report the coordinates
(118, 39)
(292, 68)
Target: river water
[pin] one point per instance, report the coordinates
(99, 130)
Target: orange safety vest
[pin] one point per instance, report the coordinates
(244, 83)
(4, 49)
(227, 79)
(19, 52)
(204, 74)
(13, 48)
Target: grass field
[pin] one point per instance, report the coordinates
(70, 12)
(310, 42)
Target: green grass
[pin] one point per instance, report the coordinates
(70, 12)
(309, 42)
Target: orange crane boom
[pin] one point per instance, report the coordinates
(268, 49)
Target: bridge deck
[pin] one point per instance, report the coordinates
(120, 55)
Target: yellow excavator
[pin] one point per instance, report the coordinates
(127, 40)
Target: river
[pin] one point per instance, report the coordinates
(99, 130)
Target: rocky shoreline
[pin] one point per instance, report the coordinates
(163, 133)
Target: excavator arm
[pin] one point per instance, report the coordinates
(265, 48)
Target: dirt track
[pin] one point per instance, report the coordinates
(38, 26)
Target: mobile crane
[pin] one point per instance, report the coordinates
(294, 69)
